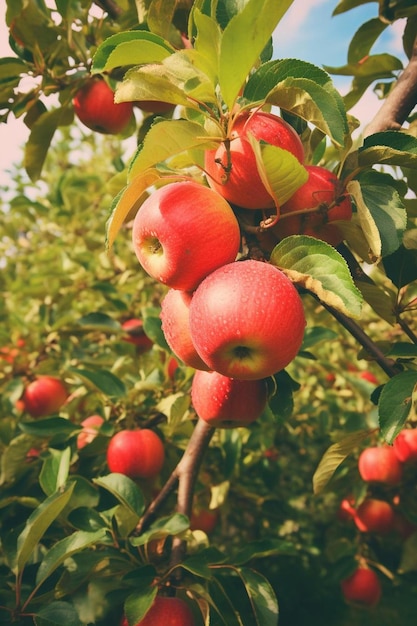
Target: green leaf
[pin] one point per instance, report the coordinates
(160, 16)
(364, 39)
(199, 564)
(171, 81)
(373, 67)
(207, 43)
(166, 139)
(65, 548)
(103, 380)
(49, 427)
(334, 456)
(302, 89)
(55, 470)
(164, 527)
(318, 267)
(56, 613)
(98, 321)
(244, 39)
(261, 596)
(38, 523)
(390, 147)
(316, 334)
(40, 138)
(127, 202)
(138, 604)
(401, 266)
(382, 216)
(346, 5)
(124, 489)
(135, 47)
(397, 403)
(11, 68)
(261, 549)
(280, 171)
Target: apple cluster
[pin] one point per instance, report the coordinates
(314, 209)
(381, 467)
(236, 321)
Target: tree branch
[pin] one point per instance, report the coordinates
(112, 9)
(184, 475)
(400, 101)
(390, 367)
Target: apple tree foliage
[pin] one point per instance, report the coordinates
(83, 545)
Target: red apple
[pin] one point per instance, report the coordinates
(44, 396)
(362, 588)
(205, 520)
(175, 317)
(136, 335)
(405, 445)
(225, 402)
(321, 190)
(172, 367)
(242, 185)
(184, 231)
(368, 376)
(375, 516)
(380, 464)
(247, 320)
(90, 426)
(166, 612)
(95, 107)
(346, 510)
(136, 453)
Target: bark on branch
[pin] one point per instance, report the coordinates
(400, 102)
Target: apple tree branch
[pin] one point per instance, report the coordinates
(400, 102)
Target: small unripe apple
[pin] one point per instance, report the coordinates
(95, 107)
(136, 335)
(375, 516)
(175, 318)
(166, 612)
(90, 426)
(362, 588)
(182, 232)
(322, 190)
(405, 445)
(380, 464)
(136, 453)
(247, 320)
(44, 396)
(232, 169)
(225, 402)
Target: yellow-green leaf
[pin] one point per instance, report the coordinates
(334, 456)
(319, 268)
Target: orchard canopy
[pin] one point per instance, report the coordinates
(208, 357)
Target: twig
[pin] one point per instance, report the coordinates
(113, 9)
(399, 102)
(389, 366)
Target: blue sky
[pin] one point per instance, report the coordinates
(307, 31)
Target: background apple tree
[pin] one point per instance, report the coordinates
(278, 509)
